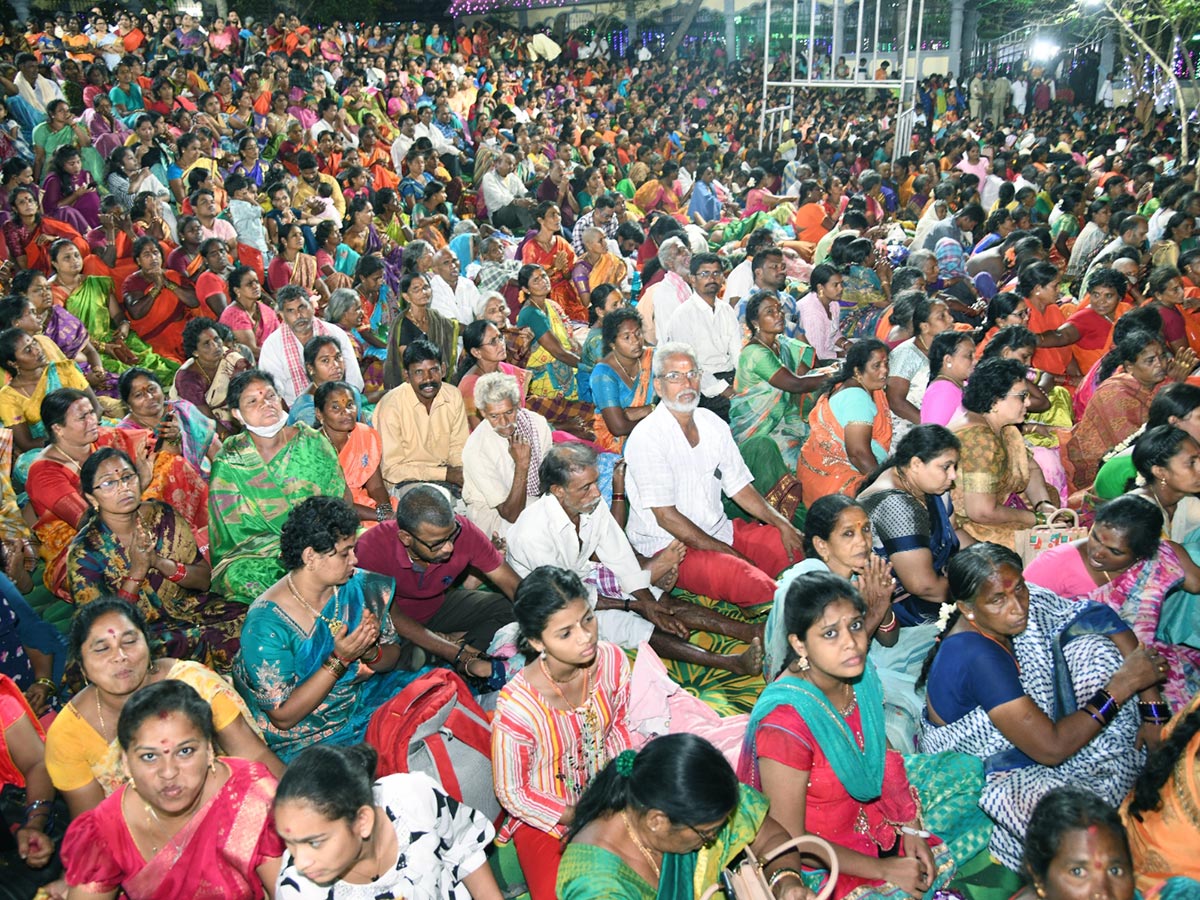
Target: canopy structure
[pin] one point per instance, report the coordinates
(804, 47)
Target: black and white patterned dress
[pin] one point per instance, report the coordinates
(441, 842)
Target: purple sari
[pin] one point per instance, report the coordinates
(106, 136)
(69, 335)
(84, 214)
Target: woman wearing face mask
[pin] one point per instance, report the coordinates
(258, 475)
(396, 836)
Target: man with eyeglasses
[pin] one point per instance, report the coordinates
(681, 460)
(711, 327)
(430, 551)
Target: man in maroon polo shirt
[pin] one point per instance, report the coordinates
(428, 550)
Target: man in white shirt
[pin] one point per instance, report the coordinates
(740, 283)
(463, 294)
(501, 457)
(283, 351)
(710, 326)
(403, 142)
(681, 459)
(506, 198)
(446, 151)
(659, 301)
(333, 120)
(32, 92)
(570, 527)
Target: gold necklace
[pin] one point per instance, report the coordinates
(554, 685)
(335, 626)
(204, 371)
(765, 344)
(642, 847)
(617, 357)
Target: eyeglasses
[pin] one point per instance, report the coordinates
(1019, 395)
(438, 545)
(708, 837)
(692, 375)
(111, 484)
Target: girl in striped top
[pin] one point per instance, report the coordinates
(558, 722)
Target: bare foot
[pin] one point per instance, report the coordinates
(749, 661)
(666, 559)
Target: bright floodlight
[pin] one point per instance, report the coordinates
(1043, 50)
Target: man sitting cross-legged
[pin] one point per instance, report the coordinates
(569, 526)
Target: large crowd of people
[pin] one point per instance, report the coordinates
(348, 365)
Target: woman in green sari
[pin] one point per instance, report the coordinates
(553, 365)
(93, 300)
(256, 478)
(661, 824)
(773, 370)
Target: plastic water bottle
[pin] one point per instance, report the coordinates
(635, 287)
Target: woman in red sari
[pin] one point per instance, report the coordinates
(209, 832)
(157, 301)
(72, 432)
(549, 250)
(29, 234)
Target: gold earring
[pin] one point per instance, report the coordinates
(802, 663)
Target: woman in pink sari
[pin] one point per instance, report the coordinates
(208, 831)
(1123, 563)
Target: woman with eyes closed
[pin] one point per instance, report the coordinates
(398, 837)
(109, 641)
(189, 823)
(816, 747)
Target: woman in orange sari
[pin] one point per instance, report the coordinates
(1162, 812)
(659, 194)
(850, 427)
(28, 234)
(72, 432)
(157, 302)
(358, 447)
(549, 250)
(597, 266)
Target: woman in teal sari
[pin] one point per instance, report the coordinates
(772, 373)
(817, 748)
(323, 618)
(661, 824)
(256, 478)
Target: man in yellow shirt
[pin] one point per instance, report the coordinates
(422, 423)
(310, 180)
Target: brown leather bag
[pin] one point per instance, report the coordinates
(747, 881)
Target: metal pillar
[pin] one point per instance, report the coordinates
(770, 117)
(838, 47)
(956, 35)
(730, 32)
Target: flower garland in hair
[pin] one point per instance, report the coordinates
(944, 615)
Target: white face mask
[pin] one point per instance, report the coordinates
(264, 431)
(268, 431)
